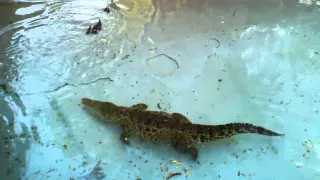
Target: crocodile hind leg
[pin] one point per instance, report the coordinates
(181, 118)
(184, 146)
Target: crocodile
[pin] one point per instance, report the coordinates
(162, 127)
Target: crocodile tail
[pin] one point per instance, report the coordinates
(250, 128)
(206, 133)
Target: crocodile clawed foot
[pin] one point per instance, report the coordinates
(194, 155)
(125, 140)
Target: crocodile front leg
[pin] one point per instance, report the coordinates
(125, 134)
(185, 146)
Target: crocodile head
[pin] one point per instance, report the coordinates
(105, 110)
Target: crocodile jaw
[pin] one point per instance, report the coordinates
(104, 110)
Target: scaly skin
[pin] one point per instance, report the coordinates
(163, 127)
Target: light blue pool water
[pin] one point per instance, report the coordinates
(216, 62)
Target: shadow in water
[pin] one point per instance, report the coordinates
(13, 146)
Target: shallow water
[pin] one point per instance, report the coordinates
(215, 62)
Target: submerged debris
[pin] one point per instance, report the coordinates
(175, 161)
(186, 171)
(111, 5)
(107, 10)
(171, 175)
(89, 30)
(215, 39)
(97, 27)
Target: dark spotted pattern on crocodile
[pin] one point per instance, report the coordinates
(162, 127)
